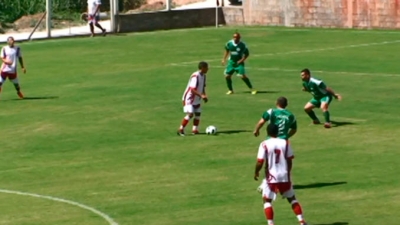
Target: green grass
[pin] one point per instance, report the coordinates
(104, 134)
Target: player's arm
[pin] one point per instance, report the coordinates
(21, 62)
(246, 54)
(260, 160)
(264, 118)
(289, 156)
(226, 54)
(193, 88)
(4, 58)
(293, 128)
(330, 91)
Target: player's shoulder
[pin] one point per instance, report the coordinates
(315, 80)
(195, 74)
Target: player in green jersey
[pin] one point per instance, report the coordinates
(322, 97)
(281, 117)
(238, 53)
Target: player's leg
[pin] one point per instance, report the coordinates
(196, 120)
(14, 79)
(91, 26)
(308, 108)
(242, 74)
(3, 78)
(324, 107)
(97, 24)
(229, 71)
(296, 207)
(268, 197)
(188, 109)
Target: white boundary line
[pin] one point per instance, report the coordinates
(93, 210)
(314, 71)
(302, 51)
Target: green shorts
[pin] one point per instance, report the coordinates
(317, 102)
(238, 69)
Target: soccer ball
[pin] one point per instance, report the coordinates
(211, 130)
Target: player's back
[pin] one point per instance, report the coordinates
(284, 119)
(278, 151)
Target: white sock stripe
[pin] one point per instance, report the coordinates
(187, 117)
(294, 201)
(267, 205)
(197, 117)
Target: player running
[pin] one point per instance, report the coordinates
(280, 116)
(195, 92)
(10, 55)
(322, 97)
(277, 155)
(238, 53)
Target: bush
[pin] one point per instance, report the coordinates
(11, 10)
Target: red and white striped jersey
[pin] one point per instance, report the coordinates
(197, 81)
(276, 152)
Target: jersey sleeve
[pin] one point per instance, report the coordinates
(3, 53)
(227, 46)
(294, 122)
(322, 85)
(261, 152)
(289, 152)
(98, 2)
(193, 82)
(267, 115)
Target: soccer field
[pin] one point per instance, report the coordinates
(95, 141)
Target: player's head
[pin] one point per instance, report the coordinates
(236, 37)
(305, 74)
(10, 41)
(272, 130)
(282, 102)
(203, 67)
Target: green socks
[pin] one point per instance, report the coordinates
(247, 81)
(229, 83)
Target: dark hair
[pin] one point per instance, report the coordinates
(307, 71)
(282, 102)
(272, 130)
(10, 37)
(203, 64)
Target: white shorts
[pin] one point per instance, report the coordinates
(269, 191)
(192, 108)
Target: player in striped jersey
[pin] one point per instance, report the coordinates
(277, 155)
(195, 92)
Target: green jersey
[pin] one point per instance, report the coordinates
(316, 87)
(237, 51)
(283, 118)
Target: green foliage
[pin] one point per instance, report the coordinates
(11, 10)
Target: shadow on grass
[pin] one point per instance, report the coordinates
(318, 185)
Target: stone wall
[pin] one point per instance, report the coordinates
(165, 20)
(324, 13)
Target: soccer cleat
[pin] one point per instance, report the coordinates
(229, 92)
(327, 125)
(253, 92)
(316, 122)
(194, 132)
(20, 95)
(180, 133)
(104, 33)
(303, 223)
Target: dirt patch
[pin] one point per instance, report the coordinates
(27, 23)
(155, 6)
